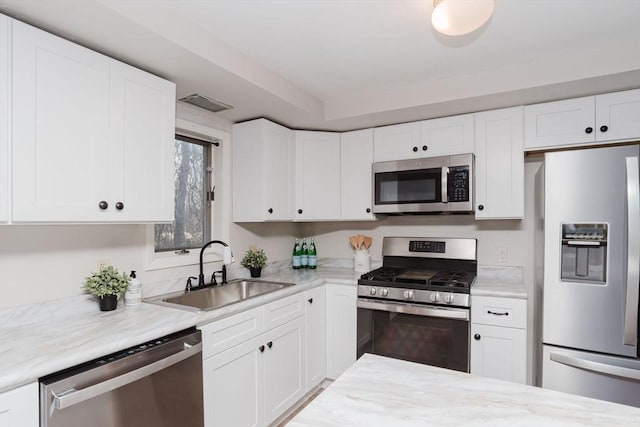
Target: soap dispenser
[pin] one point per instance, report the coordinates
(133, 295)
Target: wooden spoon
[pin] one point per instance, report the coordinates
(354, 242)
(360, 241)
(367, 242)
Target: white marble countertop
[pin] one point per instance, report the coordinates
(504, 282)
(378, 391)
(40, 339)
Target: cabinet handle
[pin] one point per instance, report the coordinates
(270, 210)
(368, 210)
(415, 149)
(310, 300)
(480, 207)
(425, 148)
(119, 206)
(261, 348)
(103, 205)
(476, 337)
(270, 344)
(604, 128)
(299, 211)
(589, 130)
(495, 313)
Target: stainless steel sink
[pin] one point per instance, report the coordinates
(234, 291)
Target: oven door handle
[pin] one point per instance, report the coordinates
(72, 397)
(444, 312)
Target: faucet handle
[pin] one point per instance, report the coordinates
(189, 285)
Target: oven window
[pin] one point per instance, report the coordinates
(415, 186)
(429, 340)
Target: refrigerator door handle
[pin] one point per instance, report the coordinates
(633, 252)
(590, 365)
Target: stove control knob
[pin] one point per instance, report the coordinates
(372, 291)
(384, 292)
(435, 297)
(448, 298)
(408, 294)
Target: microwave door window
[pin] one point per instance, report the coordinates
(417, 186)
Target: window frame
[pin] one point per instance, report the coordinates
(220, 213)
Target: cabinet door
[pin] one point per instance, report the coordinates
(141, 144)
(618, 116)
(60, 129)
(560, 123)
(317, 176)
(498, 352)
(5, 104)
(341, 328)
(20, 407)
(499, 164)
(397, 142)
(279, 158)
(356, 156)
(233, 386)
(285, 368)
(446, 136)
(316, 336)
(263, 172)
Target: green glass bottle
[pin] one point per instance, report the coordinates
(296, 255)
(313, 256)
(304, 255)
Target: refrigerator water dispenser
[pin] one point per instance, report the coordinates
(584, 253)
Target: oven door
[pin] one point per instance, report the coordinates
(408, 186)
(432, 335)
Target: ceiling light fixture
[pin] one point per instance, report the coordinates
(460, 17)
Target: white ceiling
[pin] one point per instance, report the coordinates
(346, 64)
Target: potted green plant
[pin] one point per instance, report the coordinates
(254, 259)
(107, 284)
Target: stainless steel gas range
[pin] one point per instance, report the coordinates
(416, 306)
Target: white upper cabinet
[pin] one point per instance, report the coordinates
(92, 138)
(5, 103)
(396, 142)
(317, 176)
(618, 116)
(356, 156)
(428, 138)
(263, 172)
(141, 142)
(592, 119)
(499, 164)
(446, 136)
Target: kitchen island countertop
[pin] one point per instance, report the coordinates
(379, 391)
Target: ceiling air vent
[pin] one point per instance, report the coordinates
(205, 102)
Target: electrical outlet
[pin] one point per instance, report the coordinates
(502, 254)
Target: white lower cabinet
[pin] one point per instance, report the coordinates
(341, 328)
(252, 372)
(499, 338)
(20, 407)
(316, 336)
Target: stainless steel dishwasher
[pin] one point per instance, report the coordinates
(158, 383)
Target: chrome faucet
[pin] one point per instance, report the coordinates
(226, 259)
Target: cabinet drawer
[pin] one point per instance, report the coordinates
(223, 334)
(280, 312)
(509, 312)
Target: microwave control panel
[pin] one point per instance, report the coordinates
(458, 184)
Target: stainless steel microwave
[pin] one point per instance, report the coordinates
(429, 185)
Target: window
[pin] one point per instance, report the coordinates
(193, 188)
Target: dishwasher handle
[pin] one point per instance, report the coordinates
(72, 397)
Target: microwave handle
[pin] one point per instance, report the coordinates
(445, 176)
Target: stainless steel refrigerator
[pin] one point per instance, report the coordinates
(592, 273)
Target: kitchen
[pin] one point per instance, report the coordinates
(50, 246)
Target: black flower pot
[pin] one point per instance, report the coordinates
(108, 302)
(255, 271)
